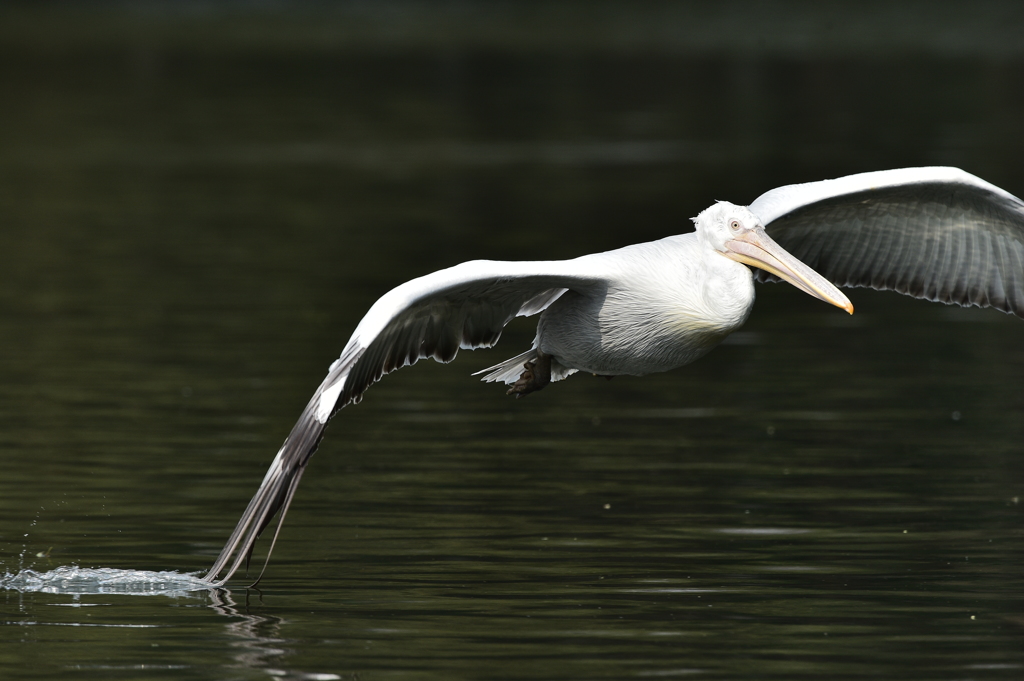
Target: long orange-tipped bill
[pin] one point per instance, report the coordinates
(757, 249)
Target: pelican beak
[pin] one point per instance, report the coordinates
(757, 249)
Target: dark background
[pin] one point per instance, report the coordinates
(198, 201)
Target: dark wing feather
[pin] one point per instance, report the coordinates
(465, 306)
(934, 233)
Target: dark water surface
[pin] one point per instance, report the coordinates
(198, 205)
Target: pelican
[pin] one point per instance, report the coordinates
(935, 233)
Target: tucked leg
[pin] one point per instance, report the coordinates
(536, 375)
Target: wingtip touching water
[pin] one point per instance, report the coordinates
(934, 233)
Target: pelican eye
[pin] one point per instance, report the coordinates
(735, 226)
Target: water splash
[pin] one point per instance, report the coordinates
(75, 580)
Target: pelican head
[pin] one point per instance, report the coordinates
(738, 234)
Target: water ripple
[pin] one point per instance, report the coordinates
(76, 580)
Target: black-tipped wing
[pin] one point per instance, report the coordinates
(465, 306)
(935, 233)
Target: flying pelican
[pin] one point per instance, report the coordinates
(935, 233)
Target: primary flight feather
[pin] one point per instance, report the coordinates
(934, 233)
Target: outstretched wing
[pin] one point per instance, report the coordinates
(465, 306)
(935, 233)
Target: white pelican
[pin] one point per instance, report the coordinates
(934, 233)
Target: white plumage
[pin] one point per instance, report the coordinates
(935, 233)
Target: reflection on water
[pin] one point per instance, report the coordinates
(197, 208)
(256, 641)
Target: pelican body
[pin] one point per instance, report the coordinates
(648, 314)
(934, 233)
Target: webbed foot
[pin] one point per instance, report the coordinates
(536, 375)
